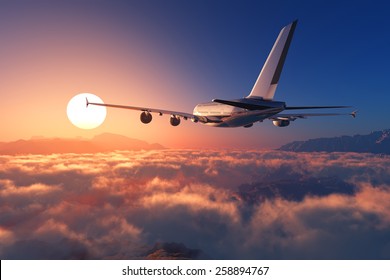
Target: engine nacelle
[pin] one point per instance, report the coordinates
(146, 117)
(175, 121)
(248, 125)
(281, 123)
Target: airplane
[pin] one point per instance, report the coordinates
(244, 112)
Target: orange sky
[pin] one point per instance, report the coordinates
(45, 62)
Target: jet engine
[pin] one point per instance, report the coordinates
(281, 123)
(146, 117)
(175, 121)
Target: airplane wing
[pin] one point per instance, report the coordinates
(161, 112)
(293, 117)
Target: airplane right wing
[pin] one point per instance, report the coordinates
(282, 120)
(293, 117)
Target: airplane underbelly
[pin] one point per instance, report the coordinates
(238, 121)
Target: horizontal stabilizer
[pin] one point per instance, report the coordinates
(243, 105)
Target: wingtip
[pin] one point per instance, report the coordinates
(353, 114)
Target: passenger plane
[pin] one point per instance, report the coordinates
(256, 107)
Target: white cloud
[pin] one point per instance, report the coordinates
(116, 205)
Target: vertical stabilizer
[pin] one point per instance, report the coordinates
(268, 79)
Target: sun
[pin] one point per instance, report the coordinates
(83, 116)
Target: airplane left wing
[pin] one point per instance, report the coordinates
(161, 112)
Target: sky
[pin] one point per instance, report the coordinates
(243, 201)
(175, 54)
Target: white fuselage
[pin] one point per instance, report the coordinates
(222, 115)
(216, 109)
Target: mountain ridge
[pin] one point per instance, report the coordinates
(377, 142)
(104, 142)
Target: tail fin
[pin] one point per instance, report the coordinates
(268, 79)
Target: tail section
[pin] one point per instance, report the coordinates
(268, 79)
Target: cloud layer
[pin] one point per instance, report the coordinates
(119, 205)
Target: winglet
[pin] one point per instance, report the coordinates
(87, 103)
(353, 114)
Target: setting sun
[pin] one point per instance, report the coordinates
(85, 117)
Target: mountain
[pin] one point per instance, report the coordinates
(377, 142)
(173, 251)
(295, 189)
(101, 143)
(112, 141)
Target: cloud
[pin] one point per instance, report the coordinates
(210, 204)
(331, 227)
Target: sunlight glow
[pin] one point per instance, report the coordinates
(85, 117)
